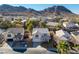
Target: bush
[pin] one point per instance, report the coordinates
(5, 24)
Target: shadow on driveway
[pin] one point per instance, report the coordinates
(19, 46)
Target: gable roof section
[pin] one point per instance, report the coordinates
(16, 30)
(61, 33)
(40, 30)
(52, 24)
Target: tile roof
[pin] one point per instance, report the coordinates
(16, 30)
(40, 30)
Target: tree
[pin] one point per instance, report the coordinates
(59, 26)
(5, 24)
(1, 19)
(17, 23)
(63, 47)
(77, 21)
(30, 26)
(43, 24)
(35, 23)
(26, 24)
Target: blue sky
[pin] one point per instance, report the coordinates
(73, 7)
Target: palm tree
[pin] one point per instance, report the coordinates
(17, 23)
(63, 47)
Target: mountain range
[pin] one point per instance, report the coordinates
(58, 10)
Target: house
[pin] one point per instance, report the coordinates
(63, 35)
(64, 19)
(15, 34)
(52, 24)
(40, 35)
(23, 21)
(34, 18)
(50, 19)
(10, 16)
(70, 25)
(13, 18)
(2, 37)
(75, 36)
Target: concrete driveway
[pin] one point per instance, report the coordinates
(6, 49)
(38, 50)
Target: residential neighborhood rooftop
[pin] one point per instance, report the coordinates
(52, 23)
(63, 34)
(16, 30)
(40, 30)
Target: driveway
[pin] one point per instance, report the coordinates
(6, 49)
(38, 50)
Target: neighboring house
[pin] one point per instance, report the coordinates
(15, 34)
(2, 37)
(75, 36)
(23, 21)
(70, 25)
(47, 18)
(52, 24)
(64, 20)
(50, 20)
(13, 16)
(63, 35)
(40, 35)
(34, 18)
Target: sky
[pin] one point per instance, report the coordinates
(73, 7)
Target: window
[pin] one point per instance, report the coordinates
(9, 35)
(45, 34)
(36, 36)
